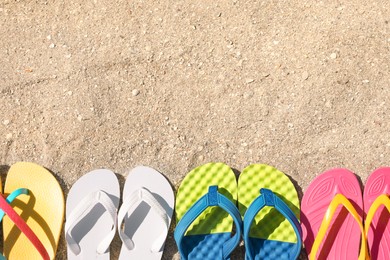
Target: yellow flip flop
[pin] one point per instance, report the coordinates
(42, 209)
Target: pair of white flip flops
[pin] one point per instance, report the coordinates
(142, 221)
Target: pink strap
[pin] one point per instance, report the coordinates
(22, 225)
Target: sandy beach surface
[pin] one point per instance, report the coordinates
(299, 85)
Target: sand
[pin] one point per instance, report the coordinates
(300, 85)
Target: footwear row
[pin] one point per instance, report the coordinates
(214, 213)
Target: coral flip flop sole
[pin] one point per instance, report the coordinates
(42, 210)
(344, 234)
(376, 208)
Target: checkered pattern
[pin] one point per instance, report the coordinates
(195, 185)
(270, 249)
(205, 246)
(269, 223)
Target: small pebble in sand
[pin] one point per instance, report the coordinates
(305, 75)
(8, 136)
(248, 95)
(248, 81)
(52, 45)
(135, 92)
(366, 81)
(333, 56)
(6, 122)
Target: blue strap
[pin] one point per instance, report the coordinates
(11, 198)
(268, 198)
(210, 199)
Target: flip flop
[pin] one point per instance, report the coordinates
(205, 211)
(331, 231)
(377, 208)
(145, 215)
(91, 215)
(39, 215)
(269, 204)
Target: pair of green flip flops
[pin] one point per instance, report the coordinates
(263, 206)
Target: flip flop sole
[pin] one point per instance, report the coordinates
(144, 226)
(213, 227)
(42, 210)
(271, 234)
(379, 234)
(97, 223)
(343, 238)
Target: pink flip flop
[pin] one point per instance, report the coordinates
(376, 198)
(331, 217)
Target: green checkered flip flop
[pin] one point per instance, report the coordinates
(205, 211)
(269, 205)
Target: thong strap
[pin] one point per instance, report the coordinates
(22, 225)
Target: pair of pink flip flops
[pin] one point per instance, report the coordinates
(339, 223)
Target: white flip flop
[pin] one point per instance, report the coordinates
(91, 215)
(145, 215)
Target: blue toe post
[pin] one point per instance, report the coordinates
(222, 242)
(268, 198)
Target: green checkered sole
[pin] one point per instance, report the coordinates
(195, 185)
(269, 224)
